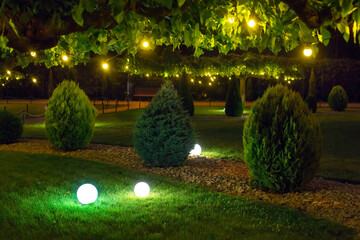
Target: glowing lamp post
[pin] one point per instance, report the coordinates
(196, 150)
(142, 189)
(87, 193)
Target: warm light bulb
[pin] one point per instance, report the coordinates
(8, 72)
(147, 75)
(65, 58)
(105, 66)
(34, 80)
(87, 193)
(209, 83)
(231, 20)
(127, 67)
(177, 75)
(192, 80)
(251, 23)
(200, 82)
(33, 54)
(145, 44)
(307, 52)
(142, 189)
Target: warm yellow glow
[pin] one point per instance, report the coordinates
(177, 75)
(277, 77)
(199, 82)
(251, 23)
(3, 84)
(307, 52)
(33, 54)
(147, 75)
(145, 44)
(8, 72)
(105, 66)
(127, 67)
(231, 20)
(65, 58)
(17, 78)
(288, 81)
(209, 83)
(34, 80)
(192, 80)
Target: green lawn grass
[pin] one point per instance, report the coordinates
(38, 201)
(18, 108)
(222, 137)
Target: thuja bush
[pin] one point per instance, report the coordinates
(70, 117)
(338, 98)
(185, 94)
(163, 135)
(11, 127)
(282, 142)
(233, 104)
(311, 102)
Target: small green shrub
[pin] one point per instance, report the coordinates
(11, 127)
(282, 142)
(185, 94)
(70, 117)
(338, 99)
(233, 104)
(311, 102)
(163, 135)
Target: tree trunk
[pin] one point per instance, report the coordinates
(242, 88)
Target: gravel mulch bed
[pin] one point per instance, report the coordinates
(333, 200)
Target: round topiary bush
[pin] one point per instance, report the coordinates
(11, 127)
(163, 135)
(282, 142)
(70, 117)
(311, 102)
(338, 99)
(233, 104)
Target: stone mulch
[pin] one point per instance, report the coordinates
(333, 200)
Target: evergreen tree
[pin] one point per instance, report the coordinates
(163, 135)
(185, 94)
(233, 105)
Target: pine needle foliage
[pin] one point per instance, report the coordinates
(11, 127)
(163, 135)
(70, 117)
(233, 105)
(185, 94)
(282, 141)
(338, 99)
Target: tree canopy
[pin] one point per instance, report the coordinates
(79, 28)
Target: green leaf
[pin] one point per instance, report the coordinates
(181, 2)
(326, 35)
(346, 7)
(120, 17)
(283, 7)
(166, 3)
(14, 28)
(356, 16)
(346, 34)
(188, 38)
(88, 4)
(77, 14)
(117, 6)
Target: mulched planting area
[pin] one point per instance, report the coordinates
(333, 200)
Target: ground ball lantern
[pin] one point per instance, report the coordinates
(196, 150)
(87, 193)
(142, 189)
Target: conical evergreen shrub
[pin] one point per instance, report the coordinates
(338, 98)
(282, 141)
(185, 94)
(233, 104)
(11, 127)
(163, 135)
(70, 117)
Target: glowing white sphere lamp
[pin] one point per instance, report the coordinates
(65, 58)
(87, 193)
(145, 44)
(142, 189)
(307, 52)
(105, 66)
(251, 23)
(196, 150)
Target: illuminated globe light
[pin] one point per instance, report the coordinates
(8, 72)
(87, 193)
(33, 54)
(251, 23)
(105, 66)
(142, 189)
(307, 52)
(145, 44)
(34, 80)
(65, 58)
(231, 20)
(196, 150)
